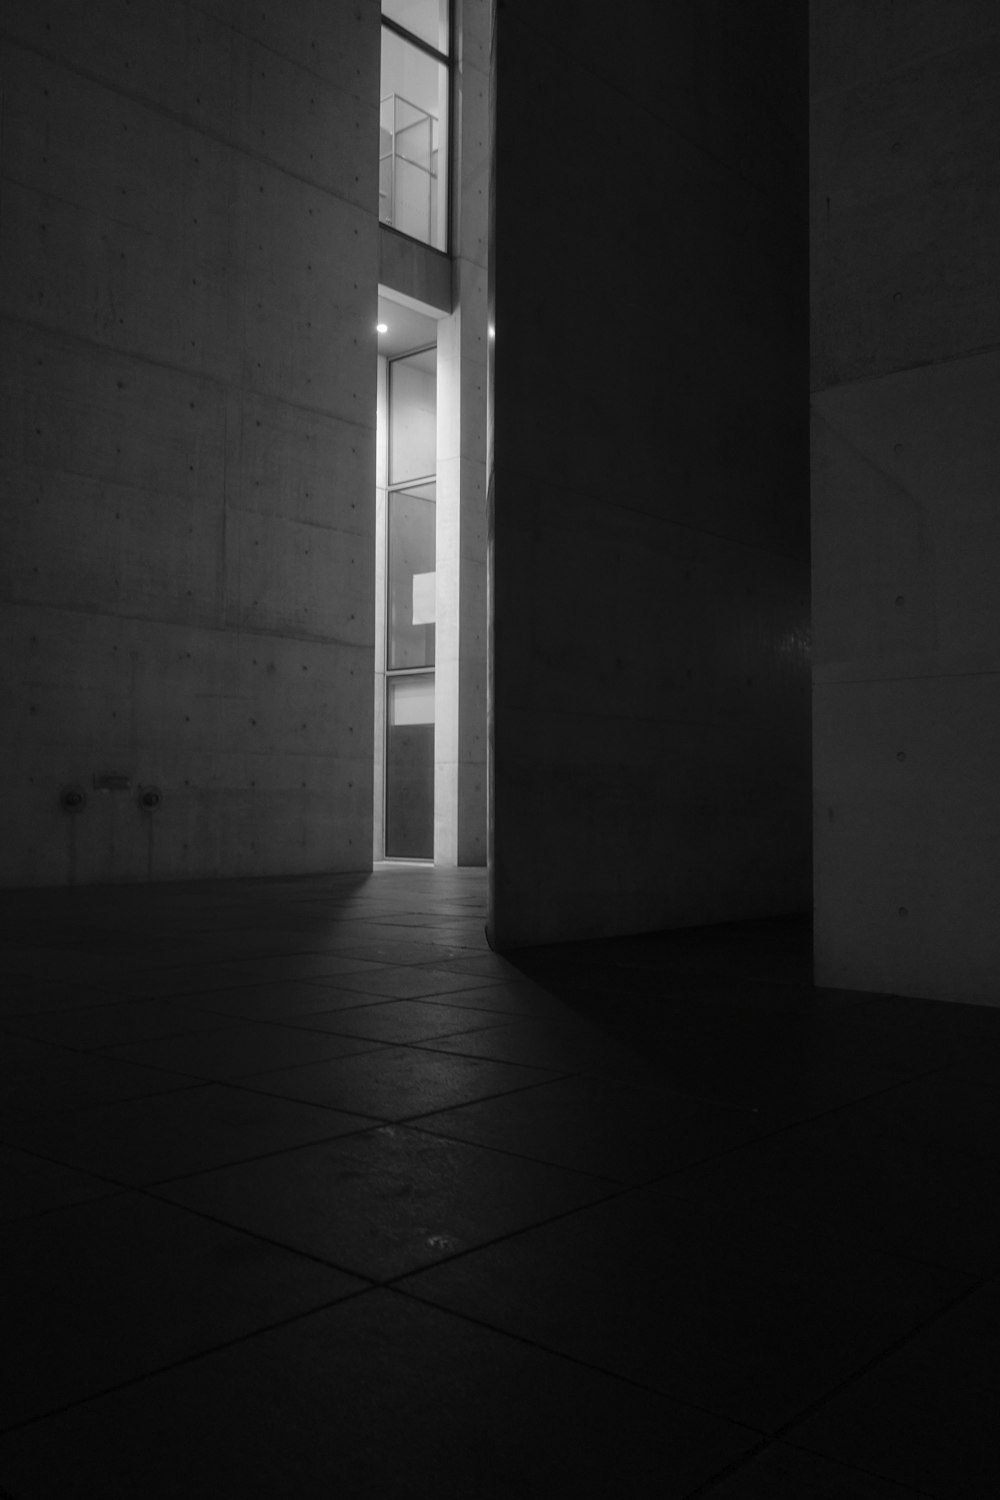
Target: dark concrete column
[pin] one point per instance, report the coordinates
(906, 457)
(649, 708)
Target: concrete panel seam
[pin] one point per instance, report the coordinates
(821, 681)
(255, 41)
(230, 630)
(917, 60)
(143, 102)
(919, 364)
(115, 351)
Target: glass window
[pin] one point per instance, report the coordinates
(409, 768)
(413, 429)
(411, 700)
(427, 19)
(413, 142)
(411, 578)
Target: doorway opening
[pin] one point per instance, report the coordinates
(406, 584)
(430, 559)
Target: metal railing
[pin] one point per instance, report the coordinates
(407, 166)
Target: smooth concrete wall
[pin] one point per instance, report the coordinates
(381, 547)
(649, 473)
(460, 735)
(189, 258)
(906, 469)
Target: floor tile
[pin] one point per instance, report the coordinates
(796, 1067)
(488, 965)
(701, 995)
(398, 1401)
(298, 966)
(92, 1026)
(99, 1293)
(37, 1078)
(902, 1014)
(801, 1193)
(914, 1200)
(520, 998)
(783, 1043)
(784, 1473)
(943, 1109)
(22, 995)
(463, 937)
(414, 922)
(741, 1314)
(565, 1046)
(617, 1130)
(277, 1000)
(31, 1185)
(229, 1051)
(401, 1020)
(170, 981)
(410, 982)
(53, 963)
(386, 1201)
(386, 928)
(925, 1416)
(145, 1140)
(719, 952)
(981, 1065)
(401, 950)
(394, 1083)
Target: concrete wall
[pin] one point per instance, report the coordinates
(381, 542)
(188, 260)
(649, 492)
(460, 733)
(906, 469)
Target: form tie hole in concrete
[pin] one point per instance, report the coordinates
(72, 799)
(150, 798)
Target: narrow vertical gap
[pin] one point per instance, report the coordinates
(406, 594)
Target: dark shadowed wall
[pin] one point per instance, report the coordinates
(650, 530)
(906, 480)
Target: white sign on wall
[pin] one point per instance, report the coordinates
(423, 598)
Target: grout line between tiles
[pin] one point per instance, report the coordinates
(705, 1490)
(571, 1359)
(781, 1433)
(193, 1357)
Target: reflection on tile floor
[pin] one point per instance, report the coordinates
(304, 1191)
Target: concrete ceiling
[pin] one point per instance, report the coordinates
(408, 329)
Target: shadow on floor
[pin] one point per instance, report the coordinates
(304, 1191)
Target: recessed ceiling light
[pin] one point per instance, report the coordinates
(381, 328)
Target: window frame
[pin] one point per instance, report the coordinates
(448, 60)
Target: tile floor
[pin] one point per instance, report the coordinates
(307, 1193)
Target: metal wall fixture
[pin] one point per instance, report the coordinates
(112, 781)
